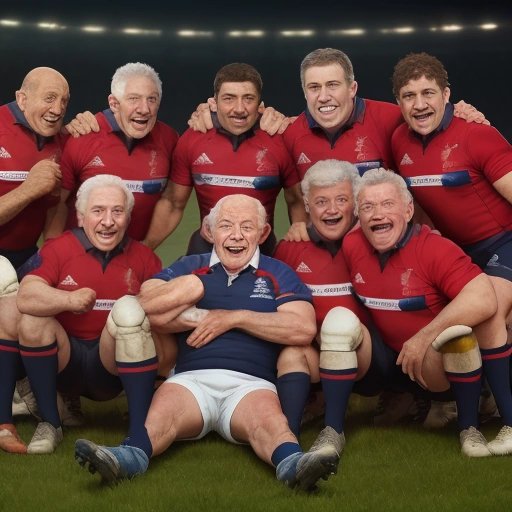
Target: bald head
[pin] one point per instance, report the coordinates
(43, 98)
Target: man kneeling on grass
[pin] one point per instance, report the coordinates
(233, 309)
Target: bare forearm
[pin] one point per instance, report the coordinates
(39, 299)
(164, 221)
(13, 203)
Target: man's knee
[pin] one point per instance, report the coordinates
(459, 347)
(341, 331)
(8, 278)
(128, 325)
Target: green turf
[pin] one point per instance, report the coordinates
(397, 469)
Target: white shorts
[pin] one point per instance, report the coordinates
(218, 392)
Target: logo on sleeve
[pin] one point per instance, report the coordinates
(68, 281)
(96, 162)
(358, 278)
(4, 153)
(202, 159)
(302, 268)
(406, 160)
(303, 159)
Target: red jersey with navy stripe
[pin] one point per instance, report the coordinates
(144, 165)
(69, 262)
(324, 273)
(20, 149)
(217, 165)
(416, 282)
(451, 175)
(365, 140)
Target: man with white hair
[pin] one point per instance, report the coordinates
(66, 341)
(425, 296)
(233, 310)
(131, 144)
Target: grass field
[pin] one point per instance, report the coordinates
(403, 468)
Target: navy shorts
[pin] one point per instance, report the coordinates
(85, 375)
(385, 375)
(18, 258)
(494, 255)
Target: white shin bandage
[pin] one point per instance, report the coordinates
(340, 335)
(128, 324)
(460, 349)
(8, 278)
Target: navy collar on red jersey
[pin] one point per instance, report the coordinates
(332, 246)
(409, 232)
(235, 140)
(102, 256)
(19, 118)
(130, 143)
(443, 125)
(356, 116)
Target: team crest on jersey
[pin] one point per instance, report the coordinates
(302, 268)
(360, 149)
(445, 154)
(152, 163)
(202, 159)
(261, 290)
(303, 159)
(358, 278)
(68, 281)
(4, 153)
(96, 162)
(406, 160)
(260, 159)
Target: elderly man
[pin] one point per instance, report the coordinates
(417, 284)
(237, 308)
(67, 343)
(131, 144)
(236, 157)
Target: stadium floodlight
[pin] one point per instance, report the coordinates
(9, 23)
(132, 31)
(93, 29)
(50, 25)
(489, 26)
(451, 28)
(246, 33)
(347, 32)
(297, 33)
(194, 33)
(398, 30)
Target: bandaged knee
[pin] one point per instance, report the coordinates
(459, 348)
(128, 324)
(340, 335)
(8, 278)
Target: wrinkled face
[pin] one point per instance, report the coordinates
(136, 111)
(331, 210)
(44, 104)
(422, 103)
(329, 96)
(105, 218)
(383, 215)
(237, 106)
(237, 234)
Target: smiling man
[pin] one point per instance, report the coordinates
(236, 157)
(68, 341)
(416, 284)
(131, 144)
(233, 309)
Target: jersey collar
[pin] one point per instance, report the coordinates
(19, 118)
(357, 116)
(443, 125)
(384, 256)
(331, 246)
(235, 140)
(130, 143)
(102, 256)
(254, 263)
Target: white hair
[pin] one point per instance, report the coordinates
(211, 218)
(99, 181)
(327, 173)
(379, 176)
(130, 70)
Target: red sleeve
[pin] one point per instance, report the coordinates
(49, 261)
(288, 171)
(181, 168)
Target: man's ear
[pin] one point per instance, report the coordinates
(113, 103)
(21, 99)
(80, 219)
(265, 232)
(207, 232)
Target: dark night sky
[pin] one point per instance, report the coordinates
(478, 61)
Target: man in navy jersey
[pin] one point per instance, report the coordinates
(233, 309)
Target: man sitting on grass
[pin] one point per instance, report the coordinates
(233, 309)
